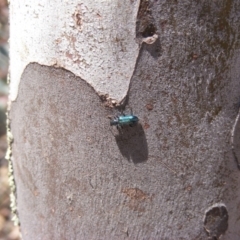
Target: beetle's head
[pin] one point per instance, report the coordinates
(135, 119)
(114, 122)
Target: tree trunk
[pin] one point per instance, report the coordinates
(176, 65)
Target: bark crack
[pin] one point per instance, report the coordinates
(233, 135)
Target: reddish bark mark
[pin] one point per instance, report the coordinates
(77, 16)
(146, 125)
(135, 194)
(149, 106)
(137, 198)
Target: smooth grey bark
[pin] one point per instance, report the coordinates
(171, 177)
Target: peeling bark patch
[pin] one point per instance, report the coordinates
(107, 101)
(11, 180)
(216, 220)
(95, 40)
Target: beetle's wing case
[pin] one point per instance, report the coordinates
(128, 119)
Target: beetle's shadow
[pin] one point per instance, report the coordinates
(154, 49)
(132, 143)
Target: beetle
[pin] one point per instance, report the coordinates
(123, 119)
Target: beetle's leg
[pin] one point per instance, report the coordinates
(131, 111)
(131, 125)
(119, 127)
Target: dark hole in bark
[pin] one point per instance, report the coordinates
(149, 31)
(216, 221)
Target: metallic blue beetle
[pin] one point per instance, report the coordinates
(123, 119)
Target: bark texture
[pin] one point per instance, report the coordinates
(171, 177)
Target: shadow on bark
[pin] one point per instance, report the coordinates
(154, 49)
(132, 143)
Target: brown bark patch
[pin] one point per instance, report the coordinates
(78, 17)
(136, 198)
(136, 194)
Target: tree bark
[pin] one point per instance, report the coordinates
(172, 176)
